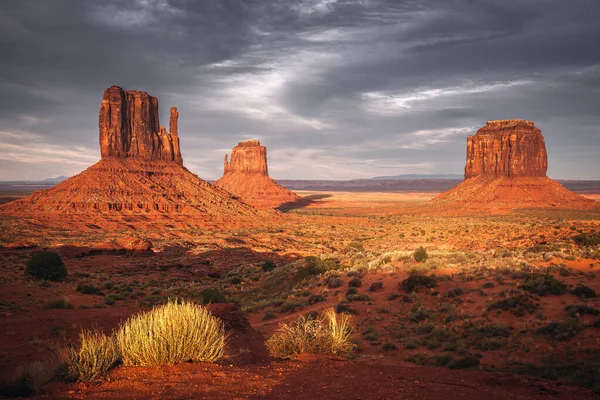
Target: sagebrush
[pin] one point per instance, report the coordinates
(171, 333)
(97, 353)
(327, 334)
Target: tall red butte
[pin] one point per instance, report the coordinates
(506, 170)
(246, 176)
(139, 182)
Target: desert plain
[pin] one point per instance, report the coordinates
(504, 313)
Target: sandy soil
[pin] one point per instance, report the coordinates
(368, 235)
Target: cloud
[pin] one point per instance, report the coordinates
(344, 89)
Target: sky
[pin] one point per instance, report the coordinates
(336, 89)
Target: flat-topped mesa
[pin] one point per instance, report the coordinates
(248, 157)
(506, 148)
(130, 127)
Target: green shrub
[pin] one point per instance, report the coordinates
(89, 289)
(414, 281)
(587, 239)
(351, 291)
(315, 298)
(268, 266)
(172, 333)
(387, 346)
(355, 282)
(97, 353)
(334, 282)
(543, 284)
(370, 334)
(46, 265)
(329, 334)
(455, 292)
(344, 307)
(562, 330)
(575, 310)
(63, 303)
(361, 297)
(290, 307)
(313, 266)
(465, 362)
(213, 295)
(517, 304)
(269, 315)
(419, 314)
(584, 292)
(420, 254)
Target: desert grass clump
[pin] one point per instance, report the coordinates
(328, 334)
(175, 332)
(97, 353)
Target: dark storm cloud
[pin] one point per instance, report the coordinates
(335, 89)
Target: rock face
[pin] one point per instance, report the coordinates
(246, 176)
(506, 170)
(130, 127)
(139, 184)
(507, 148)
(249, 158)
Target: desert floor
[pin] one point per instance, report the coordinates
(508, 310)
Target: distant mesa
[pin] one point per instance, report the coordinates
(506, 170)
(140, 173)
(246, 176)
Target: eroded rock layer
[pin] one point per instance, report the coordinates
(246, 176)
(130, 127)
(507, 148)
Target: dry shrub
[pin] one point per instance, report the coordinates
(171, 333)
(329, 334)
(97, 354)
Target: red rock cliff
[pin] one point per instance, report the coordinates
(130, 127)
(506, 148)
(248, 157)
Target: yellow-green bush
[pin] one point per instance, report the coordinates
(171, 333)
(96, 354)
(328, 334)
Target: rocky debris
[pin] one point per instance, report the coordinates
(130, 127)
(246, 176)
(506, 170)
(506, 148)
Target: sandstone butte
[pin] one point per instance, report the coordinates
(506, 170)
(246, 176)
(138, 183)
